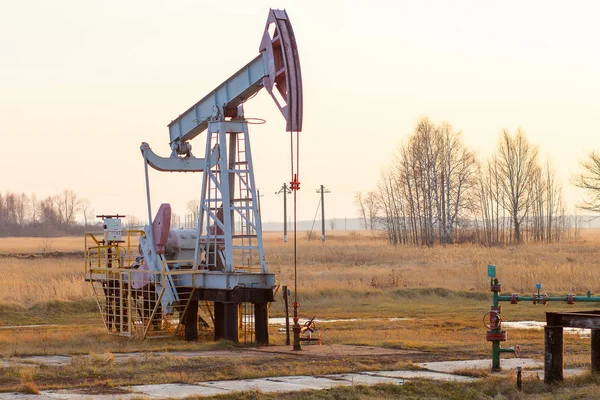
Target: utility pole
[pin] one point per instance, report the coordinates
(284, 189)
(322, 190)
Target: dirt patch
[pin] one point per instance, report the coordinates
(336, 350)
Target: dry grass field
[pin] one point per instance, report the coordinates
(15, 245)
(346, 261)
(441, 293)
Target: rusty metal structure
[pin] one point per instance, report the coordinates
(161, 280)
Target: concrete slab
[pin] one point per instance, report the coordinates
(82, 394)
(266, 351)
(365, 379)
(176, 390)
(126, 357)
(45, 360)
(23, 396)
(413, 374)
(264, 385)
(311, 381)
(506, 364)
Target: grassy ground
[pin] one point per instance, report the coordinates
(443, 289)
(586, 387)
(360, 261)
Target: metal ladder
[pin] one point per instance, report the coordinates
(244, 203)
(229, 183)
(211, 206)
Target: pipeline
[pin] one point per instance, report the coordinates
(495, 334)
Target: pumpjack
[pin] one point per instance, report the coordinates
(152, 282)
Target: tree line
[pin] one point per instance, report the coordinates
(23, 215)
(437, 191)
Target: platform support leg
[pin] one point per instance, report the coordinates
(191, 320)
(261, 321)
(553, 354)
(231, 322)
(595, 350)
(219, 314)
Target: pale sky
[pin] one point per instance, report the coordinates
(83, 83)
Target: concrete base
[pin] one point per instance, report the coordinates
(264, 385)
(438, 376)
(176, 390)
(314, 381)
(365, 379)
(507, 365)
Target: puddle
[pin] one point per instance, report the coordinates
(539, 325)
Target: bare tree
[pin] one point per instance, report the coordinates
(10, 203)
(193, 208)
(175, 221)
(34, 209)
(86, 211)
(553, 203)
(360, 204)
(458, 182)
(392, 211)
(48, 212)
(21, 209)
(133, 222)
(372, 207)
(67, 204)
(21, 214)
(517, 166)
(589, 180)
(430, 187)
(2, 210)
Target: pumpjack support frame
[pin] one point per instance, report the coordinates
(228, 265)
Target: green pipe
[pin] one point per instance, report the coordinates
(495, 296)
(583, 299)
(496, 355)
(507, 350)
(496, 349)
(536, 297)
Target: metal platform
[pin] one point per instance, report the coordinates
(138, 302)
(553, 340)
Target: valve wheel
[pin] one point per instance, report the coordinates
(486, 319)
(517, 351)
